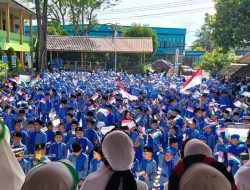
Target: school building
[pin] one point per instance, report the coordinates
(13, 15)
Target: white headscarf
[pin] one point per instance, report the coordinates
(11, 173)
(52, 175)
(203, 176)
(242, 177)
(118, 149)
(195, 146)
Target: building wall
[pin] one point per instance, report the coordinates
(169, 39)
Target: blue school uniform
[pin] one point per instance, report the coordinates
(167, 168)
(91, 135)
(45, 109)
(135, 167)
(87, 146)
(25, 137)
(94, 165)
(81, 164)
(36, 137)
(60, 150)
(9, 120)
(150, 168)
(24, 165)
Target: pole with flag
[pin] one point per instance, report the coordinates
(114, 42)
(194, 80)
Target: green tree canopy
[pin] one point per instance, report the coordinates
(230, 24)
(216, 60)
(137, 30)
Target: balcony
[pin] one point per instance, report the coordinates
(14, 42)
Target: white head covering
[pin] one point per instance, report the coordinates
(52, 175)
(203, 176)
(11, 173)
(195, 146)
(118, 150)
(242, 177)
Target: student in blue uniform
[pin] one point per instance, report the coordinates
(148, 168)
(50, 135)
(61, 128)
(37, 137)
(9, 118)
(17, 142)
(19, 128)
(45, 108)
(192, 132)
(80, 161)
(63, 110)
(58, 148)
(135, 167)
(22, 161)
(87, 146)
(210, 138)
(173, 146)
(90, 133)
(167, 166)
(96, 162)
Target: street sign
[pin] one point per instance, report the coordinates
(13, 61)
(5, 59)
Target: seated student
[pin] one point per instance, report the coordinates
(61, 128)
(39, 156)
(192, 132)
(67, 122)
(167, 166)
(22, 161)
(71, 133)
(30, 127)
(9, 118)
(37, 137)
(96, 162)
(148, 168)
(19, 128)
(210, 138)
(173, 145)
(58, 148)
(90, 133)
(87, 146)
(50, 135)
(80, 161)
(135, 167)
(17, 142)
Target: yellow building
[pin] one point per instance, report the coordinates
(13, 13)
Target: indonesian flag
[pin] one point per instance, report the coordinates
(115, 34)
(95, 96)
(190, 109)
(220, 130)
(4, 98)
(20, 92)
(16, 80)
(124, 93)
(11, 99)
(43, 100)
(125, 123)
(121, 110)
(169, 71)
(237, 104)
(220, 156)
(105, 112)
(112, 101)
(193, 80)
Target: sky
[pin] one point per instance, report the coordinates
(187, 14)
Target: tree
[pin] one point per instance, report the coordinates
(42, 21)
(230, 24)
(3, 68)
(57, 10)
(216, 60)
(137, 30)
(54, 28)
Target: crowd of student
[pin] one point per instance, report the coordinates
(62, 115)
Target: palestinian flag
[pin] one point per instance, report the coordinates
(112, 101)
(234, 158)
(16, 80)
(155, 135)
(34, 81)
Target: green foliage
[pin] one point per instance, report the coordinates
(216, 60)
(54, 28)
(230, 24)
(1, 53)
(137, 30)
(143, 68)
(11, 52)
(3, 68)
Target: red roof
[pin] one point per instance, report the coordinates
(100, 44)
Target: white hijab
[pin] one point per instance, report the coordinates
(52, 175)
(195, 146)
(203, 176)
(242, 177)
(119, 152)
(11, 173)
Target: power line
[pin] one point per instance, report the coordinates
(165, 5)
(160, 14)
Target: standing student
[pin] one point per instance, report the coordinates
(148, 168)
(59, 148)
(80, 161)
(96, 162)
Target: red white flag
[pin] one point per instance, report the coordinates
(43, 100)
(112, 101)
(115, 34)
(95, 96)
(20, 92)
(124, 93)
(190, 109)
(193, 80)
(121, 110)
(105, 112)
(125, 123)
(169, 71)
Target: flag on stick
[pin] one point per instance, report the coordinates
(193, 80)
